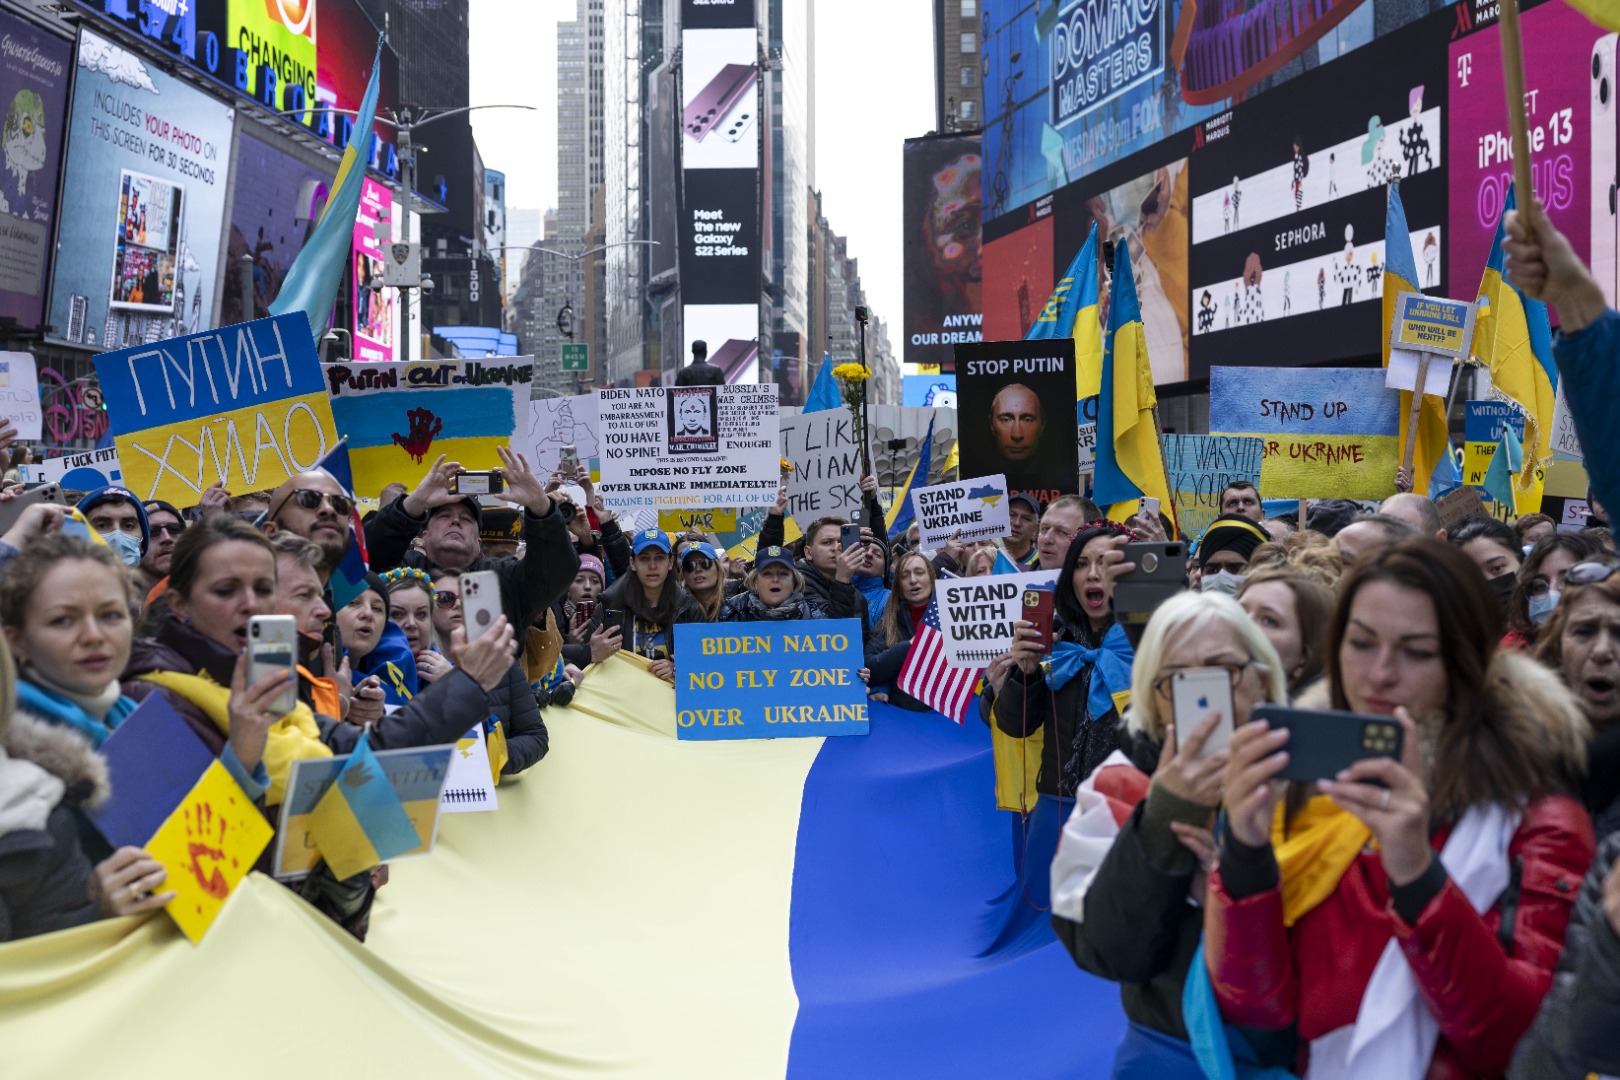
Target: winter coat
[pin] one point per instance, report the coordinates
(512, 703)
(687, 610)
(1482, 976)
(839, 599)
(528, 585)
(700, 373)
(885, 662)
(746, 607)
(47, 772)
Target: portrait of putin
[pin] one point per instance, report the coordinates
(1016, 420)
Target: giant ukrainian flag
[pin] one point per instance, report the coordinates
(1071, 311)
(1129, 462)
(1432, 464)
(1513, 337)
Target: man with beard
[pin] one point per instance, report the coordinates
(315, 506)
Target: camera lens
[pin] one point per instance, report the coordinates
(568, 511)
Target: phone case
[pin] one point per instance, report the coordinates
(1038, 605)
(480, 601)
(849, 536)
(715, 100)
(1323, 743)
(1161, 572)
(1197, 692)
(476, 483)
(273, 646)
(1605, 175)
(11, 511)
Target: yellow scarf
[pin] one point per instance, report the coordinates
(1313, 852)
(292, 738)
(1018, 761)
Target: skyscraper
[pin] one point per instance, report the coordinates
(430, 37)
(958, 73)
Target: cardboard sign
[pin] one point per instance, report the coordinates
(1328, 432)
(1014, 416)
(399, 417)
(825, 452)
(417, 775)
(19, 394)
(688, 447)
(1458, 505)
(1200, 467)
(208, 845)
(77, 472)
(1432, 324)
(970, 509)
(976, 615)
(769, 680)
(243, 405)
(556, 422)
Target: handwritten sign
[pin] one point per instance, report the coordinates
(19, 394)
(688, 447)
(1458, 505)
(556, 422)
(1328, 432)
(769, 680)
(1200, 467)
(1086, 412)
(1566, 444)
(703, 521)
(77, 472)
(825, 452)
(243, 405)
(399, 417)
(976, 615)
(417, 775)
(1482, 430)
(1432, 324)
(970, 509)
(208, 845)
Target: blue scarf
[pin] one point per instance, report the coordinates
(392, 662)
(1111, 662)
(60, 710)
(1222, 1051)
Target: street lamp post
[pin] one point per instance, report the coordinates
(566, 326)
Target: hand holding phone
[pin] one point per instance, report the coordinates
(488, 482)
(1038, 607)
(272, 647)
(1195, 693)
(480, 602)
(1323, 743)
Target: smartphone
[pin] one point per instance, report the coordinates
(612, 619)
(1150, 507)
(480, 601)
(850, 536)
(585, 610)
(715, 100)
(1323, 743)
(1197, 692)
(273, 647)
(1161, 572)
(488, 482)
(11, 511)
(1605, 175)
(568, 460)
(1038, 604)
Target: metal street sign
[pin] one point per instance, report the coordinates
(576, 357)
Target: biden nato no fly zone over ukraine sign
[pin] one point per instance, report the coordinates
(765, 681)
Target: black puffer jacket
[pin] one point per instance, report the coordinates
(513, 704)
(613, 599)
(746, 607)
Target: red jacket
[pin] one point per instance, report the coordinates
(1485, 998)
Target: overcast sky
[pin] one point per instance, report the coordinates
(874, 88)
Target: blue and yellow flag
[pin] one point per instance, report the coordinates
(360, 821)
(1071, 311)
(1432, 453)
(902, 512)
(824, 391)
(311, 286)
(1504, 467)
(1513, 337)
(348, 579)
(1129, 463)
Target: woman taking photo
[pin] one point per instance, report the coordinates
(1480, 846)
(1127, 906)
(1292, 609)
(577, 608)
(909, 597)
(647, 603)
(774, 590)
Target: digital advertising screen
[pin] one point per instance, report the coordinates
(943, 207)
(35, 69)
(276, 199)
(138, 258)
(374, 305)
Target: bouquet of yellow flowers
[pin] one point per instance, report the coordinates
(852, 380)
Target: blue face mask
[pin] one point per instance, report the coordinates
(128, 547)
(1542, 607)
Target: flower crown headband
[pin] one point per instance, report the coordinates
(410, 575)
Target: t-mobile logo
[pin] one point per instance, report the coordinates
(1465, 67)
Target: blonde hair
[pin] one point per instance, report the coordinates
(1188, 611)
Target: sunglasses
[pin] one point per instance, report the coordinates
(697, 562)
(310, 499)
(168, 530)
(446, 600)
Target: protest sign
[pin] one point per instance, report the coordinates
(470, 786)
(1482, 430)
(976, 615)
(1086, 410)
(77, 472)
(153, 759)
(400, 416)
(1566, 444)
(1458, 505)
(1014, 415)
(825, 452)
(1328, 432)
(418, 776)
(1431, 324)
(769, 680)
(208, 845)
(556, 422)
(1199, 467)
(703, 521)
(969, 509)
(243, 406)
(19, 394)
(688, 447)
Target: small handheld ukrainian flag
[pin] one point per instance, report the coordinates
(360, 821)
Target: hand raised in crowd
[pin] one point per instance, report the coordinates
(487, 658)
(1148, 527)
(249, 710)
(431, 665)
(664, 668)
(781, 506)
(955, 550)
(582, 477)
(366, 704)
(605, 642)
(1252, 789)
(603, 514)
(213, 499)
(849, 561)
(1185, 773)
(35, 521)
(998, 670)
(521, 483)
(1398, 812)
(124, 883)
(1115, 565)
(434, 489)
(1403, 479)
(869, 485)
(1545, 267)
(1027, 648)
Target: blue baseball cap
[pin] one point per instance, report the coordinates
(700, 548)
(773, 556)
(650, 538)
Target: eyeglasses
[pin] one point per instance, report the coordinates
(697, 562)
(1591, 572)
(1234, 671)
(168, 530)
(446, 600)
(310, 499)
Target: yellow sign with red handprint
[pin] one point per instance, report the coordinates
(208, 845)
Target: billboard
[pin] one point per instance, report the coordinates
(275, 200)
(138, 257)
(495, 226)
(943, 208)
(374, 305)
(1018, 271)
(719, 224)
(273, 42)
(34, 77)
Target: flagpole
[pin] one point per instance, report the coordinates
(1158, 441)
(1518, 126)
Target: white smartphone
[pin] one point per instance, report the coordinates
(1150, 507)
(273, 646)
(1605, 254)
(1197, 692)
(480, 601)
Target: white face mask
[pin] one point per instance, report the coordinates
(1221, 581)
(128, 547)
(1542, 607)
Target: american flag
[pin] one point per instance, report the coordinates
(926, 675)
